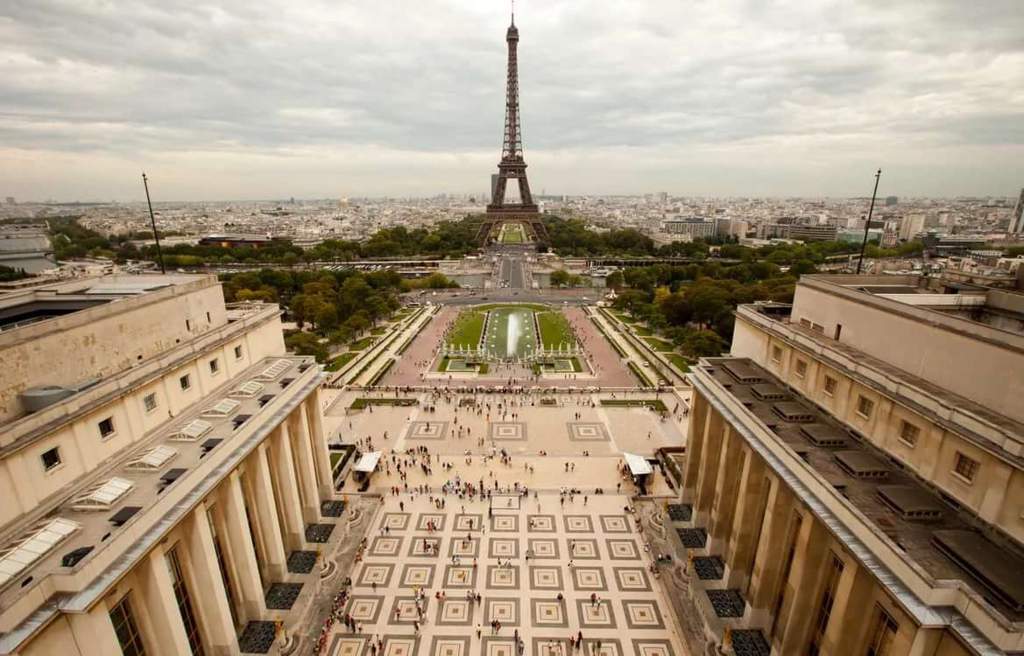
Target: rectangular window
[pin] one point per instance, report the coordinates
(208, 318)
(106, 427)
(51, 458)
(801, 368)
(776, 354)
(865, 406)
(828, 597)
(150, 402)
(185, 381)
(830, 386)
(882, 634)
(238, 352)
(909, 433)
(225, 577)
(126, 629)
(188, 325)
(188, 616)
(214, 366)
(966, 467)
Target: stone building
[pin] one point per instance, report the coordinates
(163, 472)
(853, 482)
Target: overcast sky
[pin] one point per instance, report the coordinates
(274, 98)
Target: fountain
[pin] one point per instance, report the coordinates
(512, 338)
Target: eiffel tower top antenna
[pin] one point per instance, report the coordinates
(513, 12)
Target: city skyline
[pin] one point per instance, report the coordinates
(373, 100)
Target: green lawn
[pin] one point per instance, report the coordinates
(642, 331)
(555, 330)
(654, 404)
(501, 323)
(337, 363)
(380, 330)
(645, 381)
(623, 316)
(362, 402)
(360, 344)
(658, 344)
(467, 329)
(678, 361)
(512, 233)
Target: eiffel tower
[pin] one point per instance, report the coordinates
(512, 167)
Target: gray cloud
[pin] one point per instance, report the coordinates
(697, 96)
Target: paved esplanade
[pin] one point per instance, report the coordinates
(440, 566)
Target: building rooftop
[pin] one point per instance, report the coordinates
(898, 505)
(124, 500)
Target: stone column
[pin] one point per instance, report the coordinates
(157, 593)
(747, 522)
(318, 443)
(851, 610)
(771, 548)
(242, 551)
(803, 595)
(305, 471)
(730, 465)
(266, 508)
(707, 475)
(209, 597)
(696, 439)
(95, 631)
(282, 469)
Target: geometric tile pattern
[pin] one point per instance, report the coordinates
(375, 573)
(454, 612)
(427, 430)
(632, 579)
(459, 577)
(578, 524)
(546, 578)
(449, 646)
(384, 546)
(652, 647)
(396, 521)
(502, 578)
(365, 608)
(507, 430)
(588, 579)
(595, 616)
(543, 548)
(424, 547)
(497, 646)
(350, 645)
(642, 614)
(468, 522)
(503, 548)
(602, 647)
(400, 646)
(403, 611)
(583, 549)
(464, 548)
(614, 523)
(587, 432)
(551, 646)
(505, 524)
(548, 613)
(502, 609)
(417, 576)
(622, 550)
(540, 523)
(425, 519)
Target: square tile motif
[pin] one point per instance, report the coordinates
(578, 524)
(546, 578)
(460, 546)
(642, 614)
(459, 576)
(652, 647)
(400, 646)
(507, 430)
(506, 502)
(375, 573)
(542, 548)
(505, 524)
(551, 646)
(502, 548)
(385, 546)
(615, 524)
(424, 546)
(395, 521)
(502, 578)
(417, 576)
(632, 579)
(588, 579)
(365, 608)
(497, 646)
(349, 645)
(595, 616)
(403, 611)
(468, 522)
(587, 432)
(427, 430)
(602, 647)
(449, 646)
(582, 549)
(622, 550)
(426, 520)
(505, 610)
(454, 612)
(540, 523)
(547, 613)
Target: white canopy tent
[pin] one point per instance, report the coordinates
(368, 462)
(638, 465)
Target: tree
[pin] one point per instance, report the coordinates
(703, 343)
(559, 278)
(614, 280)
(303, 343)
(801, 267)
(326, 317)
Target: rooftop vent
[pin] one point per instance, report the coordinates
(209, 445)
(223, 408)
(265, 399)
(274, 370)
(996, 569)
(824, 435)
(793, 412)
(285, 382)
(910, 502)
(123, 515)
(172, 475)
(862, 465)
(240, 419)
(192, 431)
(103, 496)
(742, 372)
(36, 398)
(248, 390)
(153, 459)
(32, 546)
(769, 392)
(73, 557)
